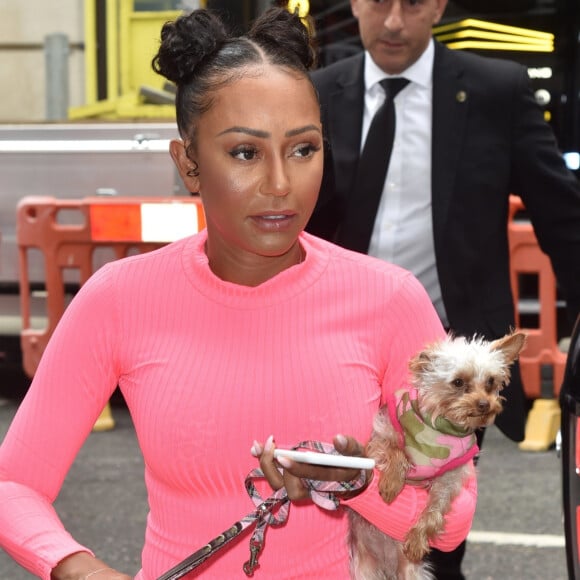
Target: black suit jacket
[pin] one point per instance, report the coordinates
(489, 139)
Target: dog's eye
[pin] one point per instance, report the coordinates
(459, 383)
(490, 382)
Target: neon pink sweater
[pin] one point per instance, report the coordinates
(206, 367)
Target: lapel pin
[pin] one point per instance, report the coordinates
(461, 96)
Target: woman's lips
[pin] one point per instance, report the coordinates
(274, 221)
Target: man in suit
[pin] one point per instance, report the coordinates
(468, 133)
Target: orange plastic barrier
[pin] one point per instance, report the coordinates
(75, 237)
(542, 363)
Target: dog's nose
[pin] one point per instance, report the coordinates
(483, 405)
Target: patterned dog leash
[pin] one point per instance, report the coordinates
(323, 494)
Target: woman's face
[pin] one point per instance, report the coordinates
(259, 156)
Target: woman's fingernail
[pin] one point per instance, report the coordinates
(269, 443)
(256, 449)
(341, 440)
(284, 462)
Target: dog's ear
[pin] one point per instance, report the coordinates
(511, 345)
(420, 362)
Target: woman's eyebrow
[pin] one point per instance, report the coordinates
(300, 130)
(266, 134)
(247, 131)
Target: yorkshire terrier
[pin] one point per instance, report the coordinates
(426, 436)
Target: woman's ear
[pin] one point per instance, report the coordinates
(187, 168)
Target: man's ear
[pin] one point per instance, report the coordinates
(441, 5)
(188, 170)
(354, 8)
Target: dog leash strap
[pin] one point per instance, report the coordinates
(323, 494)
(203, 554)
(213, 546)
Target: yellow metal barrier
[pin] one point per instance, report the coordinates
(132, 38)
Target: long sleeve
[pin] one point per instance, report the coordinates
(30, 522)
(418, 324)
(395, 518)
(74, 380)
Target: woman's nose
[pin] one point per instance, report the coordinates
(276, 181)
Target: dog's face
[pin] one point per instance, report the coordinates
(461, 379)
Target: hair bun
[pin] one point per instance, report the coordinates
(281, 28)
(185, 42)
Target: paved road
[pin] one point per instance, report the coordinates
(517, 534)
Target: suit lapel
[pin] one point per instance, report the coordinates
(450, 106)
(345, 112)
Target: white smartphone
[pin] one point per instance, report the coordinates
(326, 459)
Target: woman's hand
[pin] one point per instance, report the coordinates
(293, 472)
(83, 566)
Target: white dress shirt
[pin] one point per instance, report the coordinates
(403, 229)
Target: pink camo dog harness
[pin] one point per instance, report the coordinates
(432, 447)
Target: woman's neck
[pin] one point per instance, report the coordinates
(255, 269)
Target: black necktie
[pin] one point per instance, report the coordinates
(361, 208)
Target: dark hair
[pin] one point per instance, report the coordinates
(199, 55)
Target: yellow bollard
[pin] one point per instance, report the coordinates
(542, 425)
(105, 421)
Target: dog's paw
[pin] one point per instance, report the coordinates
(416, 546)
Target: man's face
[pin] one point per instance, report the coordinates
(396, 32)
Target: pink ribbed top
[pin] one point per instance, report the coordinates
(206, 367)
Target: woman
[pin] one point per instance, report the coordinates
(249, 329)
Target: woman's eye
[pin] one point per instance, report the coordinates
(306, 150)
(244, 153)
